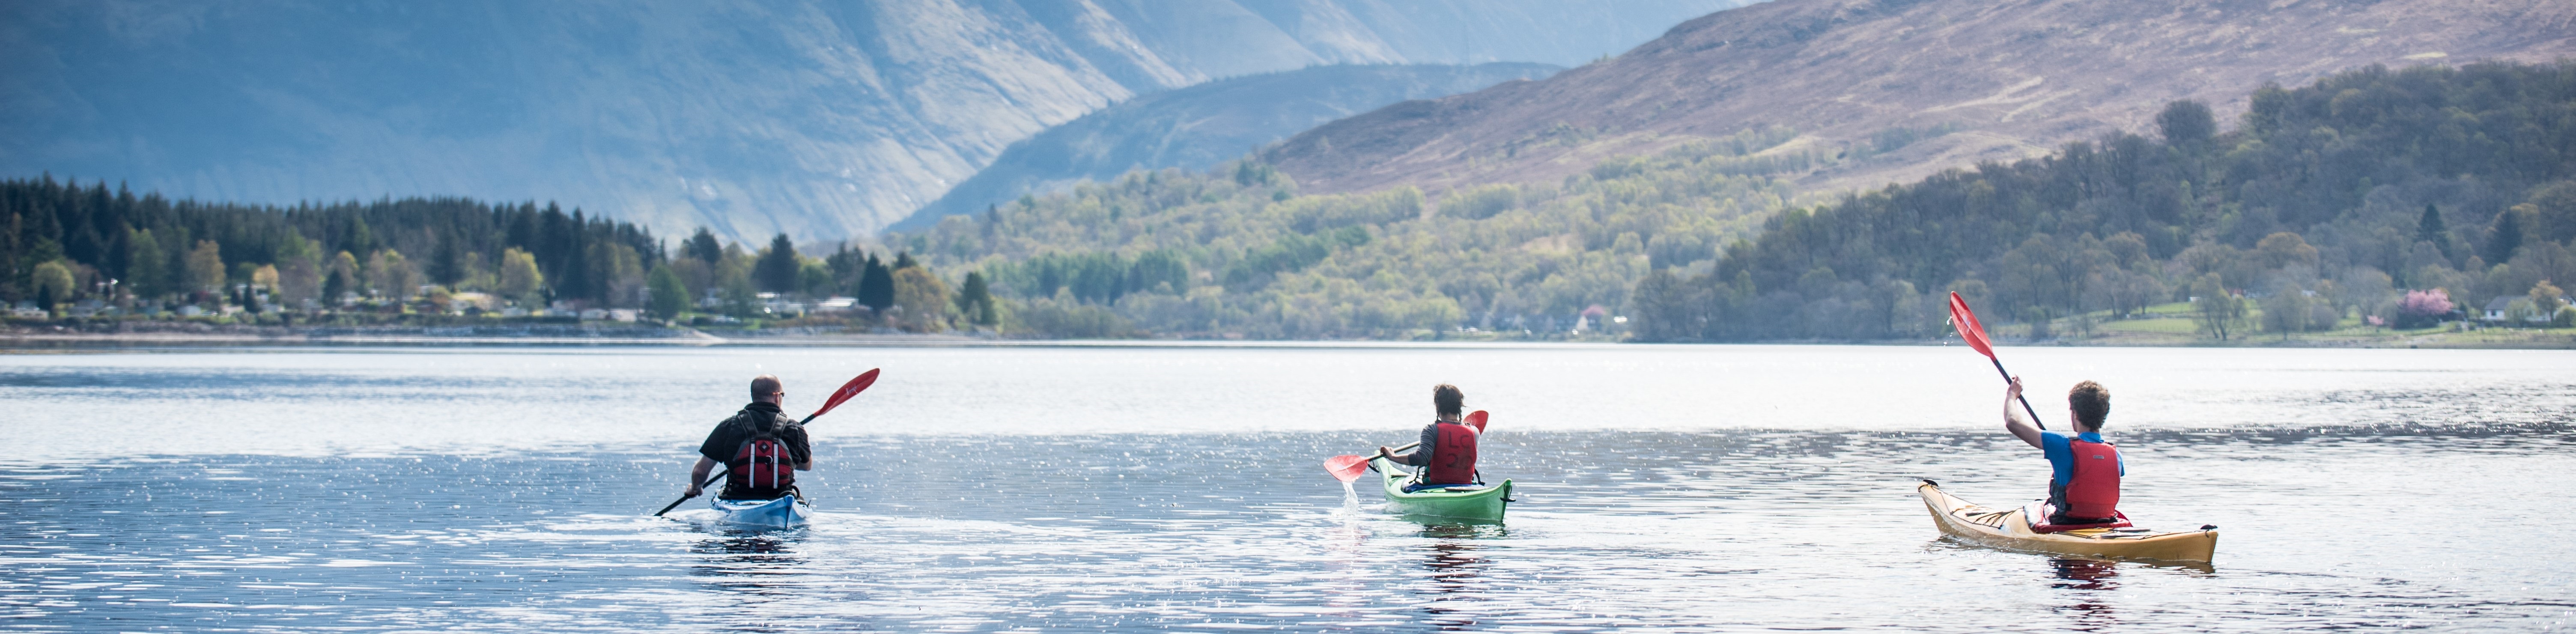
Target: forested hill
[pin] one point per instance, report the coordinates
(1240, 252)
(2327, 196)
(1196, 128)
(153, 247)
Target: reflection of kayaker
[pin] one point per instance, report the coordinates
(1447, 451)
(2084, 469)
(761, 449)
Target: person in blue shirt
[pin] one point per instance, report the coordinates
(2085, 470)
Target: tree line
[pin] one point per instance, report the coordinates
(2326, 203)
(61, 241)
(711, 277)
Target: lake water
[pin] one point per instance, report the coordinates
(1719, 488)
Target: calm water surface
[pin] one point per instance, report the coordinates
(1685, 488)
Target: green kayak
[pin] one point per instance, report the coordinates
(1464, 503)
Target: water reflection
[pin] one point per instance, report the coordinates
(2092, 580)
(749, 562)
(1455, 571)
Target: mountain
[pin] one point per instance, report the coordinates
(1197, 127)
(1886, 90)
(822, 119)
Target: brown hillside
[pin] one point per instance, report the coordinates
(2016, 78)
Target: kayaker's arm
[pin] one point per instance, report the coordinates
(2012, 417)
(805, 446)
(699, 474)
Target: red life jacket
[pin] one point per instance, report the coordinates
(763, 462)
(1453, 456)
(2094, 490)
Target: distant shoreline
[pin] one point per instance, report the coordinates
(26, 338)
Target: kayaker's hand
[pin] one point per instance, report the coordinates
(1385, 452)
(694, 490)
(2013, 391)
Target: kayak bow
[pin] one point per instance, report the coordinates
(1468, 503)
(2009, 529)
(785, 512)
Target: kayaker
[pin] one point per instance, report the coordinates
(2084, 481)
(1447, 453)
(761, 448)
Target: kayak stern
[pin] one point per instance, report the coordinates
(784, 512)
(2009, 529)
(1473, 505)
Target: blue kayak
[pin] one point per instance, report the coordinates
(784, 512)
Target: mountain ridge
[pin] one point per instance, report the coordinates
(1197, 127)
(1846, 71)
(825, 120)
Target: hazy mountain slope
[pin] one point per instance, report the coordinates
(2016, 78)
(1197, 127)
(825, 119)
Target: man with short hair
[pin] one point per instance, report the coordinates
(1447, 454)
(761, 448)
(2085, 470)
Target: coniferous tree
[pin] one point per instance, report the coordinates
(2430, 229)
(704, 247)
(975, 299)
(847, 265)
(2505, 238)
(776, 269)
(876, 286)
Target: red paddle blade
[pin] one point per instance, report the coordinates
(850, 389)
(1476, 419)
(1969, 330)
(1346, 468)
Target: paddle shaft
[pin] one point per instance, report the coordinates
(720, 474)
(2025, 401)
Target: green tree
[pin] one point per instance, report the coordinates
(669, 294)
(2546, 299)
(2504, 238)
(923, 297)
(520, 278)
(2287, 310)
(703, 246)
(876, 286)
(776, 270)
(344, 278)
(54, 284)
(814, 279)
(2185, 122)
(2216, 312)
(975, 300)
(205, 267)
(392, 275)
(146, 274)
(2429, 228)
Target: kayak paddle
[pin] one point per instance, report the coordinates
(1347, 468)
(1975, 334)
(850, 389)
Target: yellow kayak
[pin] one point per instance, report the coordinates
(2009, 529)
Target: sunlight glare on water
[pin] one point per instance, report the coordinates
(1687, 488)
